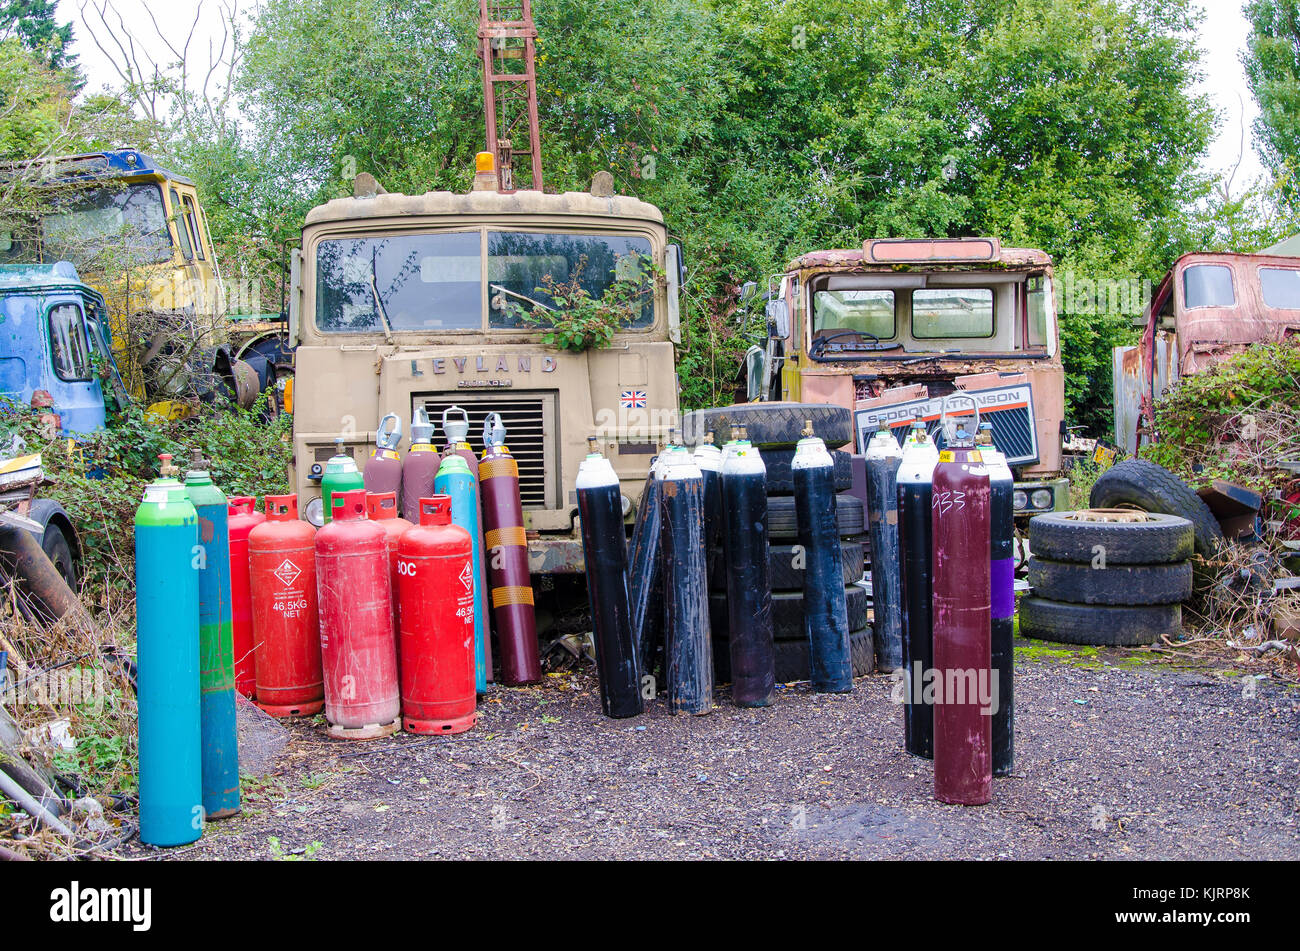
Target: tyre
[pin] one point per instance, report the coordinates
(1140, 483)
(787, 612)
(782, 524)
(770, 425)
(59, 550)
(1114, 584)
(1132, 538)
(1101, 626)
(780, 477)
(782, 574)
(792, 658)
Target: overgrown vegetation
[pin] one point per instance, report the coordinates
(1234, 420)
(100, 479)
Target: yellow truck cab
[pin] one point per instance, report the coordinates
(401, 302)
(135, 232)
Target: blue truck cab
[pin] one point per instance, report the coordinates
(56, 348)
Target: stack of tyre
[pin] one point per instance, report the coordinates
(775, 429)
(1113, 577)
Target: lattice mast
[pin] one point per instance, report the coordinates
(507, 44)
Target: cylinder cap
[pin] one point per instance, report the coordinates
(435, 510)
(381, 505)
(241, 504)
(281, 508)
(348, 506)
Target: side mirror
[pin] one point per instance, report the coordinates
(755, 373)
(778, 317)
(748, 290)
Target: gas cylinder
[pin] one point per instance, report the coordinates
(960, 527)
(436, 590)
(604, 552)
(216, 645)
(381, 508)
(457, 482)
(644, 573)
(914, 539)
(883, 456)
(354, 592)
(457, 431)
(420, 467)
(825, 608)
(286, 627)
(167, 662)
(1002, 596)
(341, 475)
(749, 592)
(709, 459)
(687, 640)
(506, 552)
(243, 518)
(384, 467)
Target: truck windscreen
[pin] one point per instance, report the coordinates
(125, 226)
(435, 282)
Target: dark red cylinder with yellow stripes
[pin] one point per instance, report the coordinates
(506, 550)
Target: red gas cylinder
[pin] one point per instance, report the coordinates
(282, 566)
(966, 691)
(436, 590)
(242, 519)
(381, 507)
(358, 655)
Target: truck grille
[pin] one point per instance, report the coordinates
(531, 436)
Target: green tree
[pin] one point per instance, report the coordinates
(33, 23)
(1272, 61)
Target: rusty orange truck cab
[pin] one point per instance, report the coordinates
(891, 329)
(1208, 307)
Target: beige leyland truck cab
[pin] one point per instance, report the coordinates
(408, 301)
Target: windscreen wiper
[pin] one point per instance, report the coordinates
(379, 301)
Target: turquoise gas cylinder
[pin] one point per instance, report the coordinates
(455, 479)
(167, 657)
(216, 644)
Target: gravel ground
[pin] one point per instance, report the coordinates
(1114, 760)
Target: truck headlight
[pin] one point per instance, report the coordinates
(315, 513)
(1041, 498)
(1020, 500)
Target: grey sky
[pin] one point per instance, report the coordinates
(1222, 37)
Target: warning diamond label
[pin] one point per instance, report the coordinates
(288, 572)
(467, 577)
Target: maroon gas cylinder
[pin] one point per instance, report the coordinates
(242, 519)
(436, 590)
(420, 467)
(358, 656)
(381, 507)
(505, 549)
(286, 632)
(383, 472)
(964, 691)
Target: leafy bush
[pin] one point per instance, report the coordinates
(581, 322)
(1231, 420)
(100, 479)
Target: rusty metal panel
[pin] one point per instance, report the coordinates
(1126, 380)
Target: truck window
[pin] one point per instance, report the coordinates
(1281, 287)
(182, 232)
(195, 233)
(69, 348)
(952, 312)
(521, 265)
(130, 219)
(424, 282)
(1208, 285)
(870, 312)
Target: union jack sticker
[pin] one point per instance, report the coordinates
(632, 399)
